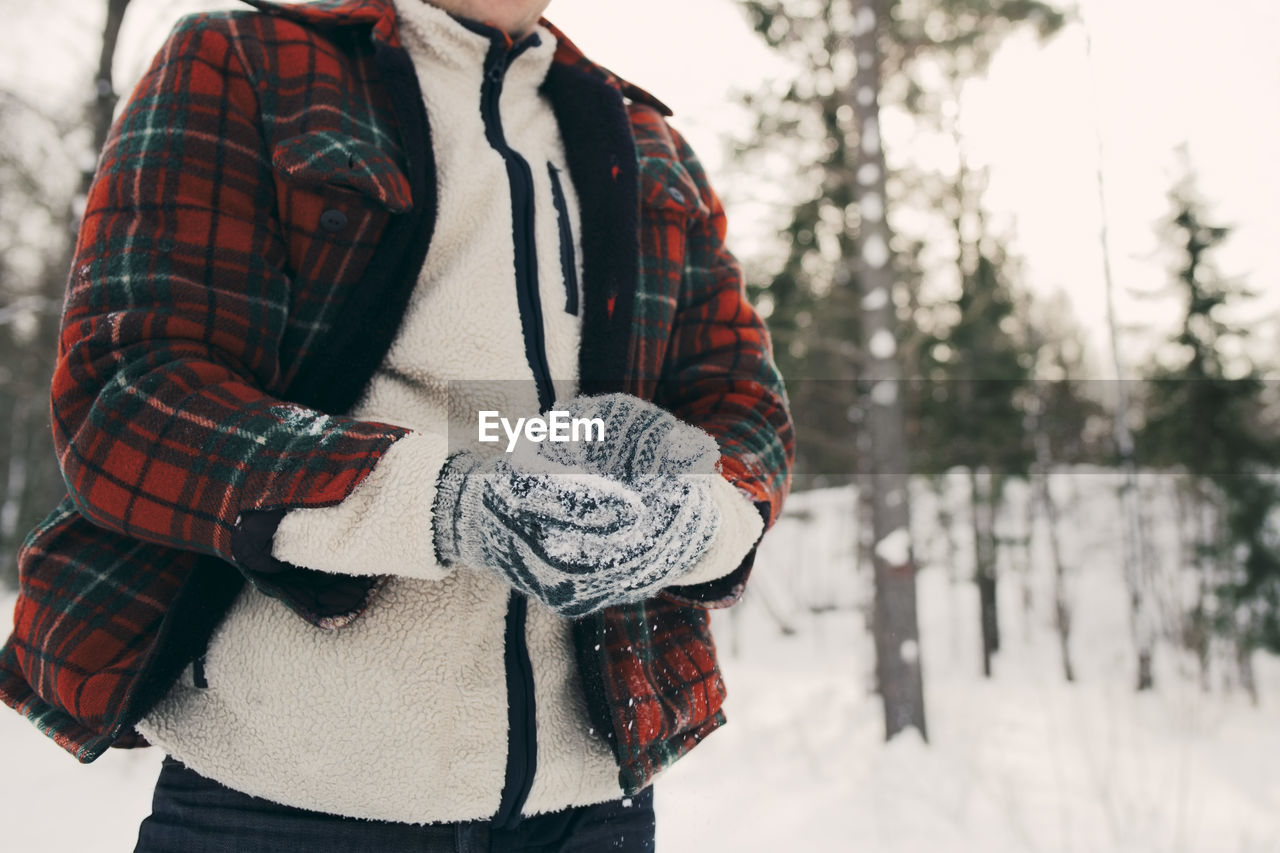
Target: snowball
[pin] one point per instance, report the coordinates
(909, 651)
(868, 174)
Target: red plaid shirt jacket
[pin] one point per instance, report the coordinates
(259, 217)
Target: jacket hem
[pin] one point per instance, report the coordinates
(63, 729)
(635, 776)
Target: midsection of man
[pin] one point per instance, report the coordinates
(404, 715)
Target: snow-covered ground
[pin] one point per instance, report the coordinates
(1022, 762)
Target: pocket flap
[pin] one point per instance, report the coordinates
(338, 160)
(665, 184)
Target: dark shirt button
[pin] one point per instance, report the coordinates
(333, 220)
(676, 195)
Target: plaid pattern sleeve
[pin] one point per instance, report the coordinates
(164, 414)
(201, 290)
(717, 371)
(698, 349)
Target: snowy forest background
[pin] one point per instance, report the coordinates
(1026, 594)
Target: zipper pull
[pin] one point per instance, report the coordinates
(498, 68)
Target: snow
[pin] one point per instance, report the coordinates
(875, 252)
(882, 345)
(864, 21)
(876, 299)
(895, 547)
(53, 803)
(1022, 762)
(871, 206)
(884, 392)
(870, 137)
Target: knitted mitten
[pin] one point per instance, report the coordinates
(642, 443)
(576, 541)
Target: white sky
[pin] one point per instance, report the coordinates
(1167, 74)
(1169, 71)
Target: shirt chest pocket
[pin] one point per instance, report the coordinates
(334, 191)
(670, 208)
(667, 190)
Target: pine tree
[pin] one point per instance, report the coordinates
(1066, 429)
(975, 383)
(836, 308)
(1205, 408)
(806, 139)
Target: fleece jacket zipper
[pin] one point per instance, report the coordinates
(522, 742)
(520, 177)
(568, 264)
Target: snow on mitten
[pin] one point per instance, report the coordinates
(642, 442)
(576, 541)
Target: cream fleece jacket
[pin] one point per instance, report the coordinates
(403, 714)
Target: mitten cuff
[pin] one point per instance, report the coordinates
(740, 529)
(447, 508)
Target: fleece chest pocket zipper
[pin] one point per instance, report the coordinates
(568, 257)
(199, 679)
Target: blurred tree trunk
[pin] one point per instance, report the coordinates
(1043, 496)
(1244, 665)
(1135, 554)
(982, 496)
(103, 105)
(30, 480)
(896, 630)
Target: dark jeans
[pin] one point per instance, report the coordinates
(192, 814)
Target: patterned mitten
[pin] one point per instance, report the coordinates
(642, 442)
(576, 541)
